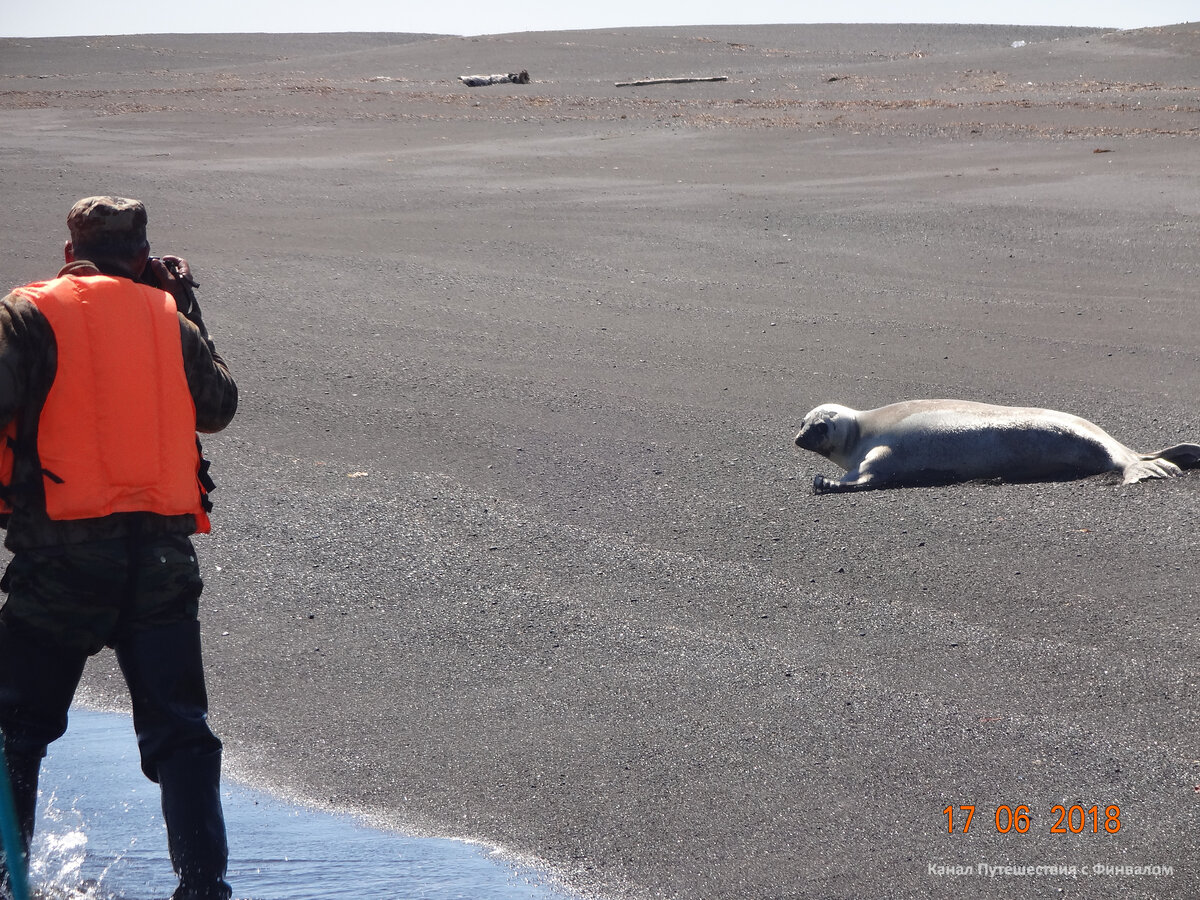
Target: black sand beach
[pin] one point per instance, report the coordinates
(511, 541)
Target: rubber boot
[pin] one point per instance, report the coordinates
(23, 773)
(191, 802)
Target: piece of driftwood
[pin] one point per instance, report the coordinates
(521, 77)
(685, 80)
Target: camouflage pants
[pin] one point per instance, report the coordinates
(138, 595)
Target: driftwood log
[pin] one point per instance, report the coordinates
(521, 77)
(685, 80)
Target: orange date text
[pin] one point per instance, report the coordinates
(1075, 819)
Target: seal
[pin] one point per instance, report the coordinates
(926, 442)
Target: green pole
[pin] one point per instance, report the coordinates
(10, 832)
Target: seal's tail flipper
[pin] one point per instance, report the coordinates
(1186, 456)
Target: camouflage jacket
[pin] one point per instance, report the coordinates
(28, 361)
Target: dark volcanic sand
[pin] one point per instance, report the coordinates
(512, 542)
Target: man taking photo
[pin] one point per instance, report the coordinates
(106, 374)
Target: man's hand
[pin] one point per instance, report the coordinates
(175, 277)
(172, 272)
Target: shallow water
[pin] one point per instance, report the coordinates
(100, 825)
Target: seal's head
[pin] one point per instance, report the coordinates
(829, 430)
(107, 229)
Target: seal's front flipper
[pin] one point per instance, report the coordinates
(851, 481)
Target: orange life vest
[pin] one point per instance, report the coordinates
(117, 432)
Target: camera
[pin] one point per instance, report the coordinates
(150, 277)
(185, 298)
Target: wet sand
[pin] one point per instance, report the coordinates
(511, 541)
(100, 825)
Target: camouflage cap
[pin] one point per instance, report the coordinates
(95, 217)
